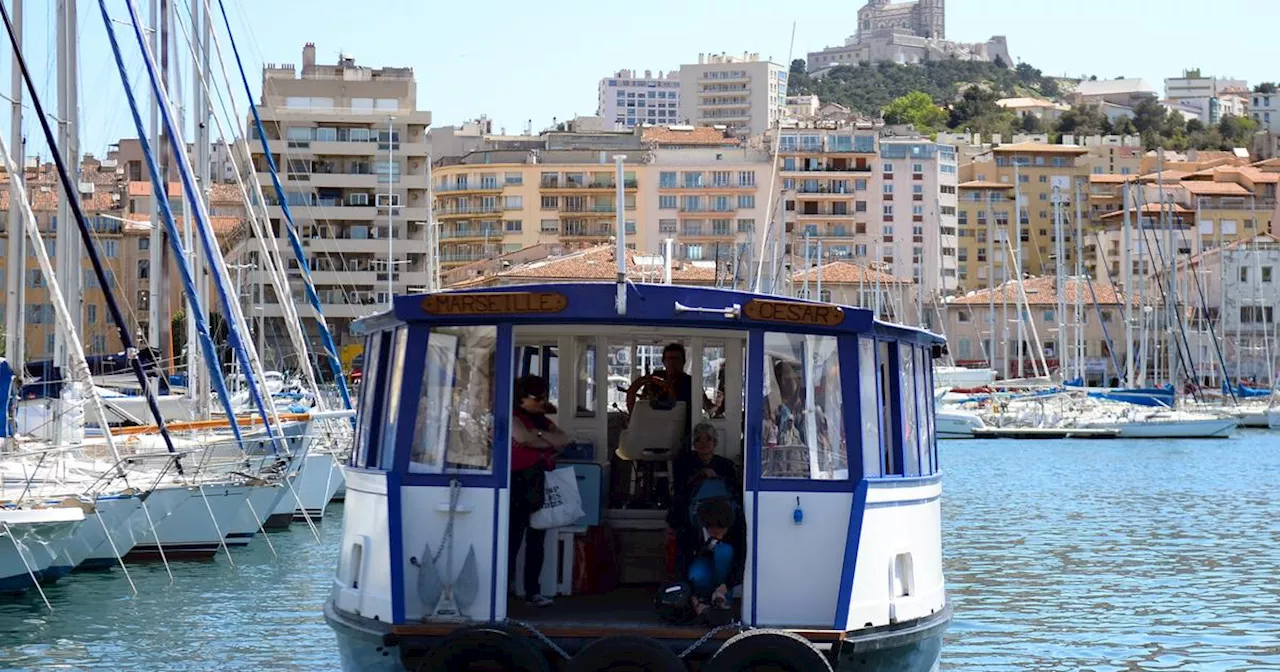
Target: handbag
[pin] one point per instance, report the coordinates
(561, 501)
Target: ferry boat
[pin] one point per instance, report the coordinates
(842, 556)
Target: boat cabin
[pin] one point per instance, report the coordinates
(821, 415)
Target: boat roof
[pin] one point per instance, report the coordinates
(647, 304)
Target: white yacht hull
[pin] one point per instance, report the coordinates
(957, 424)
(135, 528)
(262, 500)
(1209, 428)
(316, 483)
(30, 540)
(106, 523)
(190, 532)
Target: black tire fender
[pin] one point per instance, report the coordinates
(626, 652)
(778, 649)
(465, 647)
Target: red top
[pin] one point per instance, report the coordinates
(524, 456)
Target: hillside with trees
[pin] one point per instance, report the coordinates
(961, 96)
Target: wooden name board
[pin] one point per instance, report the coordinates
(793, 313)
(496, 303)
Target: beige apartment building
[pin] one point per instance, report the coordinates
(703, 191)
(349, 143)
(743, 94)
(1033, 170)
(892, 201)
(117, 212)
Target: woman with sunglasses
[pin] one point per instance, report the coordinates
(535, 444)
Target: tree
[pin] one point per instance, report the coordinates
(798, 67)
(1124, 126)
(1083, 120)
(918, 109)
(999, 61)
(1030, 123)
(1237, 130)
(1265, 87)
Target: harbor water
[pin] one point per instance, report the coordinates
(1063, 555)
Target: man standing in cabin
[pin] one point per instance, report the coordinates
(673, 362)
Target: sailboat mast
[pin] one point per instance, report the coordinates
(991, 284)
(1126, 260)
(68, 241)
(1079, 312)
(13, 322)
(200, 29)
(433, 236)
(1059, 248)
(14, 325)
(1171, 301)
(155, 244)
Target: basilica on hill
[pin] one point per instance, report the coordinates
(904, 32)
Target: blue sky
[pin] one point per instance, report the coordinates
(517, 61)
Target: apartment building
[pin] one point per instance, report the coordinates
(629, 99)
(969, 319)
(1241, 283)
(1042, 176)
(872, 199)
(696, 186)
(117, 212)
(744, 94)
(350, 144)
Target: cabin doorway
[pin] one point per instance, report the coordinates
(631, 431)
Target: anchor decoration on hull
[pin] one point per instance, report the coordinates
(447, 598)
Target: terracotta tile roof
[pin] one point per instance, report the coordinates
(1042, 290)
(597, 264)
(1040, 148)
(847, 273)
(1150, 209)
(984, 184)
(1208, 188)
(225, 194)
(701, 135)
(1169, 175)
(223, 225)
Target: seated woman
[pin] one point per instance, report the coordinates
(535, 444)
(701, 475)
(713, 569)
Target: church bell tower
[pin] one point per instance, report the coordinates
(932, 16)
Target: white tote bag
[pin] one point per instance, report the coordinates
(561, 501)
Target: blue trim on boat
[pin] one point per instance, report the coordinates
(751, 454)
(906, 481)
(898, 446)
(395, 542)
(503, 365)
(848, 570)
(804, 485)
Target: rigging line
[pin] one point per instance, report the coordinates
(174, 239)
(1204, 305)
(72, 193)
(272, 263)
(247, 357)
(256, 358)
(325, 335)
(1180, 340)
(773, 176)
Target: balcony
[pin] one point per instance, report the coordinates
(568, 232)
(821, 214)
(468, 187)
(470, 234)
(583, 185)
(470, 211)
(820, 169)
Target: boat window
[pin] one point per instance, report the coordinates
(803, 428)
(585, 350)
(395, 369)
(888, 368)
(869, 399)
(924, 430)
(454, 426)
(910, 422)
(542, 360)
(367, 427)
